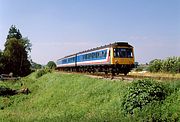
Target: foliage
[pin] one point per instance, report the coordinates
(168, 110)
(16, 53)
(14, 33)
(142, 92)
(1, 62)
(35, 66)
(139, 68)
(171, 65)
(51, 65)
(42, 72)
(155, 65)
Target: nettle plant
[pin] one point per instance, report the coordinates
(142, 92)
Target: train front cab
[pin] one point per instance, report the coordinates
(122, 59)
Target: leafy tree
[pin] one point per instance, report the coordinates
(16, 53)
(51, 64)
(170, 65)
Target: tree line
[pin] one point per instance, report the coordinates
(171, 65)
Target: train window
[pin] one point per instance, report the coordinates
(86, 57)
(100, 54)
(129, 53)
(71, 60)
(64, 61)
(97, 55)
(93, 55)
(90, 56)
(105, 53)
(123, 52)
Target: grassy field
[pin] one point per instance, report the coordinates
(72, 97)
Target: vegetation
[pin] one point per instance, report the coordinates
(143, 92)
(15, 58)
(1, 62)
(72, 97)
(51, 65)
(141, 67)
(35, 66)
(171, 65)
(42, 72)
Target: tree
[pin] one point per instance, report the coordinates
(51, 64)
(1, 62)
(14, 33)
(16, 53)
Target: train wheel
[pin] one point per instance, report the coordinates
(126, 72)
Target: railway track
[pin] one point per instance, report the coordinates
(162, 78)
(129, 77)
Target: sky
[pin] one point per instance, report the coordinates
(57, 28)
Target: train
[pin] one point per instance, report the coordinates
(115, 58)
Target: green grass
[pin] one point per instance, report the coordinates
(64, 97)
(72, 97)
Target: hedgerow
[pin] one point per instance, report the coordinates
(171, 65)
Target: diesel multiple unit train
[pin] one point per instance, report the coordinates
(114, 58)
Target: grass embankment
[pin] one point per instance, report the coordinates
(73, 97)
(64, 97)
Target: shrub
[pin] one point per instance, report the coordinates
(142, 92)
(42, 72)
(155, 65)
(139, 68)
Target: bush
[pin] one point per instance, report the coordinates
(142, 92)
(155, 65)
(139, 68)
(42, 72)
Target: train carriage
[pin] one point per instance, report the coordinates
(115, 58)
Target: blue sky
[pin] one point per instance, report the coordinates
(57, 28)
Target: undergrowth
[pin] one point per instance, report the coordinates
(149, 100)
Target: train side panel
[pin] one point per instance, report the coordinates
(97, 57)
(67, 62)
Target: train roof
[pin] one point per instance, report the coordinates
(101, 47)
(109, 45)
